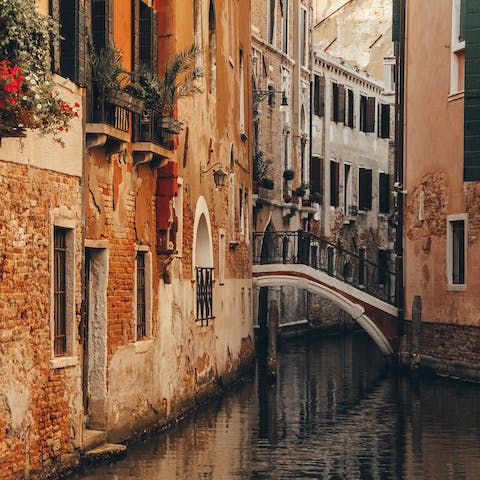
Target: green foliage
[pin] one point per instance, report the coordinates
(268, 183)
(260, 166)
(107, 68)
(178, 81)
(25, 36)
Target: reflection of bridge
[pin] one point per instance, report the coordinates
(361, 288)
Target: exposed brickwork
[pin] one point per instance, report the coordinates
(35, 418)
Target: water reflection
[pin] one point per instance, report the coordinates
(333, 413)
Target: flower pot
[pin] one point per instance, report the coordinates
(171, 125)
(125, 100)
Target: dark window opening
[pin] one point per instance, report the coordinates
(384, 193)
(60, 291)
(367, 114)
(334, 183)
(382, 267)
(319, 96)
(361, 266)
(338, 103)
(141, 297)
(383, 120)
(204, 281)
(351, 108)
(364, 189)
(458, 252)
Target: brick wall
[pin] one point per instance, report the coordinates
(36, 426)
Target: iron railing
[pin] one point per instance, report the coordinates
(103, 111)
(148, 127)
(204, 281)
(305, 248)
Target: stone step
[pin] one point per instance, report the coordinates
(92, 439)
(105, 453)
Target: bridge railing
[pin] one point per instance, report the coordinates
(305, 248)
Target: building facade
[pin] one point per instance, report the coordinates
(126, 271)
(441, 184)
(352, 165)
(281, 69)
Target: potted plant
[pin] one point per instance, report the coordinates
(113, 81)
(317, 197)
(162, 92)
(288, 174)
(300, 191)
(28, 99)
(267, 183)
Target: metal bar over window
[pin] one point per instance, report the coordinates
(60, 293)
(204, 277)
(141, 310)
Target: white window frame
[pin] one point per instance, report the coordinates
(66, 222)
(303, 13)
(457, 48)
(148, 293)
(285, 27)
(456, 287)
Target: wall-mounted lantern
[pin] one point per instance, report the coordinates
(219, 175)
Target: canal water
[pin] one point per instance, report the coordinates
(335, 412)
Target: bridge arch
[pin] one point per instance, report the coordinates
(355, 309)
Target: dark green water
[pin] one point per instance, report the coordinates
(334, 413)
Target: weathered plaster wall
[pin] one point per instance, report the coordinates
(434, 175)
(359, 32)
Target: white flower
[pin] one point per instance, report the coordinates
(39, 106)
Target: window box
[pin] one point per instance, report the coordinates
(123, 99)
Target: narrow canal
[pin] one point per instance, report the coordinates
(334, 413)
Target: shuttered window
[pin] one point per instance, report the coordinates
(319, 96)
(364, 189)
(316, 176)
(68, 54)
(144, 36)
(338, 103)
(334, 183)
(367, 114)
(101, 23)
(396, 21)
(384, 193)
(472, 92)
(383, 120)
(351, 108)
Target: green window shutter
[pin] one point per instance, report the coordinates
(472, 92)
(396, 21)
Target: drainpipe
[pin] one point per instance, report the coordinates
(399, 169)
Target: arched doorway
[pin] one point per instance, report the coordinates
(202, 263)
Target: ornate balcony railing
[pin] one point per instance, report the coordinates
(204, 281)
(152, 126)
(305, 248)
(102, 110)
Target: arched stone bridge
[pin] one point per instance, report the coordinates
(307, 262)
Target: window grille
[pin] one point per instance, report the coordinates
(458, 257)
(60, 293)
(204, 277)
(141, 303)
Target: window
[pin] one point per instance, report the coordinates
(334, 183)
(364, 189)
(316, 178)
(367, 114)
(63, 300)
(384, 192)
(271, 95)
(303, 36)
(68, 53)
(141, 307)
(242, 93)
(350, 108)
(347, 187)
(212, 49)
(459, 62)
(284, 6)
(101, 23)
(456, 255)
(60, 292)
(271, 21)
(319, 95)
(338, 103)
(143, 293)
(383, 120)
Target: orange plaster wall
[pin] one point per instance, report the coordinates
(434, 165)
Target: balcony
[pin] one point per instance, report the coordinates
(153, 135)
